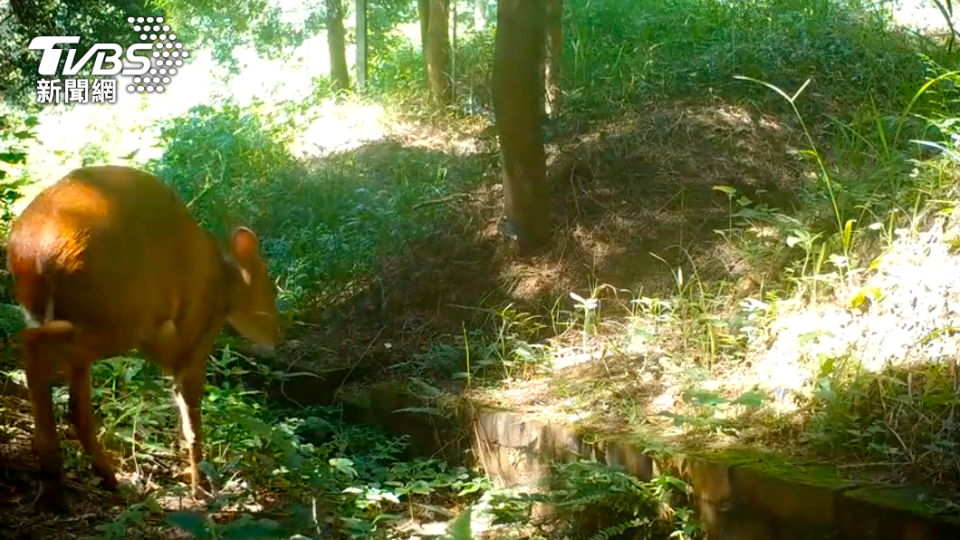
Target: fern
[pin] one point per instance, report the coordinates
(614, 530)
(597, 497)
(595, 501)
(11, 319)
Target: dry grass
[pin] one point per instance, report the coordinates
(881, 343)
(640, 189)
(856, 368)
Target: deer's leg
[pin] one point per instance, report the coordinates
(81, 411)
(188, 380)
(40, 366)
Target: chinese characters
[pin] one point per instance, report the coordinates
(76, 90)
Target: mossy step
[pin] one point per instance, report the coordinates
(736, 491)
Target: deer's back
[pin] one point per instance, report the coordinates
(114, 251)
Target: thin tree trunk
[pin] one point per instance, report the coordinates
(423, 8)
(361, 11)
(438, 51)
(453, 51)
(479, 14)
(336, 41)
(517, 92)
(554, 56)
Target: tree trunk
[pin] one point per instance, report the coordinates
(423, 7)
(517, 92)
(554, 56)
(453, 51)
(438, 51)
(479, 14)
(361, 11)
(336, 41)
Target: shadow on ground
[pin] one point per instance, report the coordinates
(632, 201)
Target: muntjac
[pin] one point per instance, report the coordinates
(106, 260)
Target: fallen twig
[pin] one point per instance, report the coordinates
(441, 200)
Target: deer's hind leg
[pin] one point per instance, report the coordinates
(85, 421)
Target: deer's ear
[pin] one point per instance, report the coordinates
(245, 244)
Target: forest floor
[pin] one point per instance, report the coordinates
(700, 291)
(632, 202)
(637, 225)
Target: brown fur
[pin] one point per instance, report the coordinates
(106, 260)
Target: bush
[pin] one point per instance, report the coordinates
(323, 224)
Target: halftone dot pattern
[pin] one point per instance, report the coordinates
(167, 52)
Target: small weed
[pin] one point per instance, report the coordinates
(590, 500)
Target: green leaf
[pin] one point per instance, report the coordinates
(752, 400)
(343, 465)
(419, 487)
(828, 365)
(678, 484)
(704, 398)
(256, 426)
(114, 529)
(246, 528)
(678, 419)
(13, 158)
(460, 528)
(860, 299)
(428, 390)
(848, 231)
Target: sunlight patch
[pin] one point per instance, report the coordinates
(898, 314)
(341, 127)
(574, 356)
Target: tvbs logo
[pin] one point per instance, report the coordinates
(151, 63)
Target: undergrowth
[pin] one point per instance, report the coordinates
(834, 337)
(332, 479)
(326, 222)
(304, 473)
(584, 499)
